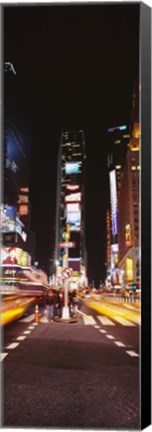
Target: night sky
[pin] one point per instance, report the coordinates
(76, 66)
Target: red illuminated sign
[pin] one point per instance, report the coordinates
(66, 244)
(72, 187)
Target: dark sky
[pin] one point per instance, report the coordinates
(76, 66)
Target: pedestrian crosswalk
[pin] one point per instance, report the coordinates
(90, 320)
(105, 321)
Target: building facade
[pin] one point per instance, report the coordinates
(129, 205)
(118, 138)
(70, 207)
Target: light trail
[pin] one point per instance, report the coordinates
(115, 311)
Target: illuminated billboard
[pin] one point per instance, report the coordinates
(129, 268)
(114, 255)
(7, 218)
(71, 167)
(13, 255)
(74, 207)
(128, 235)
(73, 197)
(23, 210)
(74, 217)
(114, 208)
(72, 187)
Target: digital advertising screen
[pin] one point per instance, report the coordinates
(73, 197)
(71, 167)
(74, 207)
(13, 255)
(114, 209)
(74, 217)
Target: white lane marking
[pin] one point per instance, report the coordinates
(120, 344)
(21, 338)
(31, 328)
(110, 336)
(88, 320)
(2, 356)
(103, 331)
(35, 324)
(12, 345)
(96, 326)
(132, 353)
(27, 319)
(27, 332)
(105, 321)
(124, 322)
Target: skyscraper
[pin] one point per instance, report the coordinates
(128, 203)
(118, 137)
(70, 206)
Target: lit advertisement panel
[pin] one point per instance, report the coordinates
(74, 227)
(114, 255)
(129, 268)
(73, 197)
(71, 167)
(73, 187)
(23, 209)
(7, 218)
(73, 217)
(13, 255)
(114, 209)
(75, 207)
(10, 212)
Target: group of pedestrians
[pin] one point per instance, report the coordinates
(54, 303)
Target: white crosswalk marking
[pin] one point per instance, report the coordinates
(27, 319)
(12, 345)
(88, 319)
(132, 353)
(124, 322)
(105, 321)
(2, 356)
(21, 338)
(119, 344)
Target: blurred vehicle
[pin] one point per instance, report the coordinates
(24, 280)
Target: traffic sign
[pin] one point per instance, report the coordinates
(67, 272)
(66, 244)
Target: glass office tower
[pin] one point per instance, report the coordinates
(70, 207)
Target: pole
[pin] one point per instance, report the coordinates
(65, 309)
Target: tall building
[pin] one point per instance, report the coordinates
(70, 211)
(15, 221)
(118, 138)
(128, 204)
(108, 242)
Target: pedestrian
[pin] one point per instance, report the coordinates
(60, 303)
(75, 302)
(50, 304)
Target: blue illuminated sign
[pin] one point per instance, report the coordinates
(71, 167)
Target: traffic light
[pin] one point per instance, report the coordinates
(67, 228)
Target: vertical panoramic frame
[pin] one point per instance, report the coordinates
(70, 216)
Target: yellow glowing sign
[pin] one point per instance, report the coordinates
(129, 268)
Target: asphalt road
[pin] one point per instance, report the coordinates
(78, 375)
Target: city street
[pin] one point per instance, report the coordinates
(81, 375)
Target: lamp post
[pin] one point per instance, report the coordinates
(65, 309)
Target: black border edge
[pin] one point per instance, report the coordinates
(145, 113)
